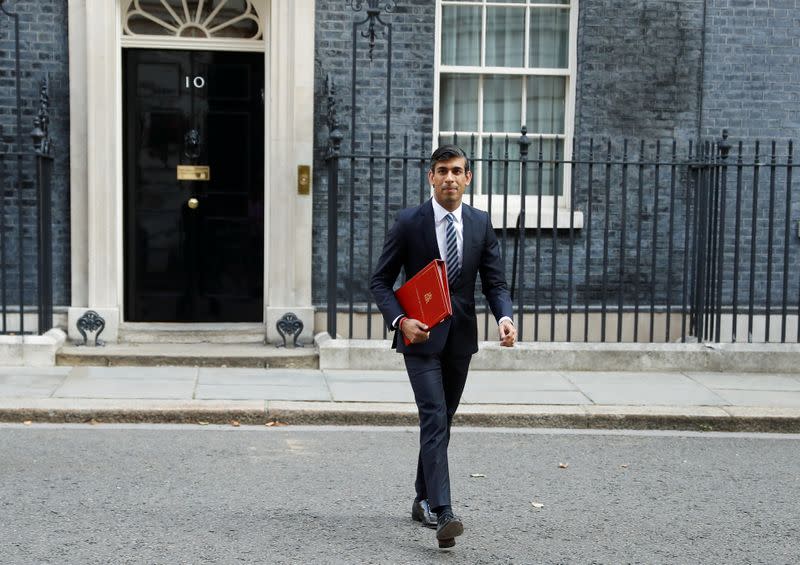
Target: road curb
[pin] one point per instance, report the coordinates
(406, 416)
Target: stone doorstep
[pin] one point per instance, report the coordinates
(211, 333)
(189, 355)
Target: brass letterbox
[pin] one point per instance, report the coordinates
(194, 172)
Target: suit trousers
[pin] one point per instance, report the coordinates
(438, 381)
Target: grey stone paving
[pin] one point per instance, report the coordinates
(665, 389)
(745, 381)
(484, 388)
(237, 376)
(760, 398)
(271, 392)
(12, 385)
(128, 382)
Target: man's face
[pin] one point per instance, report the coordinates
(449, 179)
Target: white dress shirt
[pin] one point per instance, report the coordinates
(440, 224)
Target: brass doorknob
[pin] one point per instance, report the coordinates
(193, 203)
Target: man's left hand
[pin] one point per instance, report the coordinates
(508, 333)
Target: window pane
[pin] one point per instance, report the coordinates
(458, 103)
(505, 37)
(549, 45)
(504, 173)
(461, 35)
(502, 103)
(551, 174)
(231, 10)
(565, 2)
(546, 97)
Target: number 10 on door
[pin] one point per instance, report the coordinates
(197, 82)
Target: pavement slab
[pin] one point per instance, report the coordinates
(374, 391)
(136, 374)
(746, 381)
(257, 376)
(774, 398)
(667, 389)
(265, 392)
(34, 371)
(521, 387)
(335, 375)
(519, 380)
(129, 382)
(16, 385)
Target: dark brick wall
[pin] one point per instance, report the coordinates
(752, 88)
(752, 70)
(44, 50)
(639, 66)
(638, 76)
(639, 69)
(411, 114)
(644, 73)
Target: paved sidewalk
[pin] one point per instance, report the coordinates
(679, 400)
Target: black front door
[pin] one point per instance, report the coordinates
(193, 186)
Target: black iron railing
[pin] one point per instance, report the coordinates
(26, 264)
(613, 240)
(645, 241)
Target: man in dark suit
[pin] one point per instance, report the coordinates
(437, 359)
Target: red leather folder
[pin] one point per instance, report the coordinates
(426, 295)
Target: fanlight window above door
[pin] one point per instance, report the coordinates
(230, 19)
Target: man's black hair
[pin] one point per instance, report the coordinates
(447, 152)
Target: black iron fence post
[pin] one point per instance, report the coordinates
(701, 176)
(44, 163)
(332, 160)
(524, 142)
(724, 148)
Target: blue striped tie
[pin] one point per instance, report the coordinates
(453, 266)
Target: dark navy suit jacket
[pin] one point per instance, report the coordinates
(411, 245)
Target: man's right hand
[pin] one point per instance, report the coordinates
(414, 330)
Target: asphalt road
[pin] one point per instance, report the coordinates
(181, 494)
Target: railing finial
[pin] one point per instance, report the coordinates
(524, 141)
(41, 123)
(373, 15)
(335, 135)
(724, 145)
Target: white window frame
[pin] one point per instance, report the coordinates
(514, 202)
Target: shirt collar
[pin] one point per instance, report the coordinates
(439, 212)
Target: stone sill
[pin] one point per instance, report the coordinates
(546, 220)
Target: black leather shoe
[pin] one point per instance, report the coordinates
(421, 512)
(449, 527)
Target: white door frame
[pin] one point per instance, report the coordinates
(95, 29)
